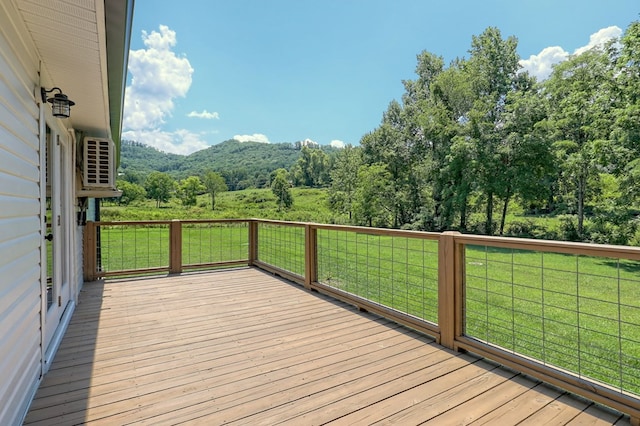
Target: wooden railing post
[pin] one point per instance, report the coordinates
(175, 247)
(449, 280)
(253, 242)
(90, 248)
(310, 255)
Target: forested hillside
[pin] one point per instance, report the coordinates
(242, 164)
(142, 159)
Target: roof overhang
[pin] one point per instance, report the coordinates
(83, 46)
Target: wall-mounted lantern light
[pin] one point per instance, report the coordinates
(60, 103)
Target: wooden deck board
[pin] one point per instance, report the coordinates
(242, 346)
(520, 407)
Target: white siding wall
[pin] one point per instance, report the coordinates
(20, 227)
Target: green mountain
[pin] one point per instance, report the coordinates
(141, 159)
(243, 164)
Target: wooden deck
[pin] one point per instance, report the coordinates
(245, 347)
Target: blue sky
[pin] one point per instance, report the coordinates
(204, 71)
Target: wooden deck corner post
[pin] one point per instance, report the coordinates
(448, 280)
(89, 252)
(175, 247)
(253, 242)
(310, 255)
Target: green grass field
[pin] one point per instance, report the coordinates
(309, 205)
(576, 312)
(579, 313)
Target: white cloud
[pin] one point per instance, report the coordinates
(541, 65)
(256, 137)
(600, 38)
(204, 114)
(179, 142)
(337, 143)
(158, 76)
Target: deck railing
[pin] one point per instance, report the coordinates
(566, 313)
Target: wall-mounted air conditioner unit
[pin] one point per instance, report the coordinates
(99, 164)
(98, 170)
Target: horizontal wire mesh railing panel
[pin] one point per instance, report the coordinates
(577, 313)
(397, 272)
(130, 247)
(282, 246)
(214, 242)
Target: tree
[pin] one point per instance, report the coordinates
(159, 187)
(133, 177)
(459, 173)
(391, 145)
(524, 151)
(281, 188)
(215, 184)
(344, 180)
(373, 198)
(312, 168)
(450, 169)
(235, 177)
(189, 190)
(130, 192)
(492, 69)
(626, 126)
(580, 117)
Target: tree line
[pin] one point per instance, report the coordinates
(472, 137)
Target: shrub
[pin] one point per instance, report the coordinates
(568, 230)
(604, 230)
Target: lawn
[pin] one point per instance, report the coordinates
(579, 313)
(309, 205)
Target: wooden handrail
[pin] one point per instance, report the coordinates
(132, 222)
(562, 247)
(379, 231)
(449, 331)
(282, 222)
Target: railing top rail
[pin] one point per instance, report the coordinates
(215, 220)
(169, 221)
(280, 222)
(553, 246)
(357, 229)
(133, 222)
(379, 231)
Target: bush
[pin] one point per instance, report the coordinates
(568, 230)
(476, 224)
(603, 230)
(635, 239)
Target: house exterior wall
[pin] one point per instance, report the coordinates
(87, 56)
(22, 249)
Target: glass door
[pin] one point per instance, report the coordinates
(56, 234)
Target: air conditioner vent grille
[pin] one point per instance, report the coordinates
(98, 163)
